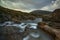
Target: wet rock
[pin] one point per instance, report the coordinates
(11, 33)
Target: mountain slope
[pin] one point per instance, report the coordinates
(41, 12)
(13, 15)
(17, 16)
(56, 15)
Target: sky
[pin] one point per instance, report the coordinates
(30, 5)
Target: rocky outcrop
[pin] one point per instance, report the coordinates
(55, 19)
(56, 15)
(53, 32)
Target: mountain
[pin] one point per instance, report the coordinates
(41, 12)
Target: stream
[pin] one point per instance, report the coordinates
(34, 33)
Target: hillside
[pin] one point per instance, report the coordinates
(55, 19)
(41, 12)
(56, 15)
(13, 15)
(17, 16)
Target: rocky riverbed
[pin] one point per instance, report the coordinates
(22, 31)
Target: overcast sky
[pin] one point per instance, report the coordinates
(29, 5)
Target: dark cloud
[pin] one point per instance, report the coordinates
(27, 5)
(52, 6)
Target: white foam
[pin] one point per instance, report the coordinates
(35, 35)
(26, 38)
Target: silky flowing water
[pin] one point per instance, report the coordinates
(34, 33)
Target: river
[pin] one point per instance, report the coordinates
(34, 33)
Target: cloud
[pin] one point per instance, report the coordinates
(52, 6)
(28, 5)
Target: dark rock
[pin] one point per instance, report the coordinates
(56, 15)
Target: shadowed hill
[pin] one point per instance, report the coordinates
(13, 15)
(17, 16)
(56, 15)
(41, 12)
(55, 19)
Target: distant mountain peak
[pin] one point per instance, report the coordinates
(40, 12)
